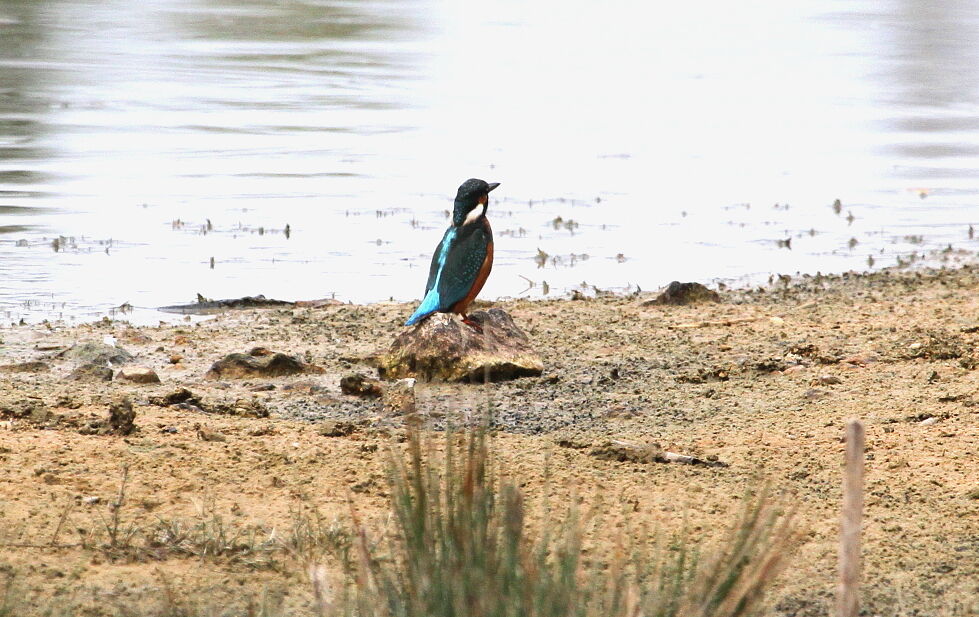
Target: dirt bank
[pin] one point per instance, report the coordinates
(761, 381)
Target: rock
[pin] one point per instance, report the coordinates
(189, 407)
(137, 374)
(21, 407)
(97, 353)
(860, 359)
(677, 293)
(442, 348)
(206, 434)
(399, 397)
(239, 366)
(242, 407)
(828, 380)
(91, 372)
(180, 395)
(360, 385)
(337, 428)
(122, 417)
(25, 367)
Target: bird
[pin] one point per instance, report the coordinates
(463, 259)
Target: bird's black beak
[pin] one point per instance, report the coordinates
(492, 185)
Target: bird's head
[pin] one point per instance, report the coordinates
(471, 201)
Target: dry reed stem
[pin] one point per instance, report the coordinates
(848, 597)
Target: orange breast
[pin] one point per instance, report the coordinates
(484, 271)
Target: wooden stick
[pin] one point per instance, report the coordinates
(711, 324)
(848, 597)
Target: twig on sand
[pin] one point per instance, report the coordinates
(712, 324)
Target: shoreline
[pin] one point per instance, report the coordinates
(151, 316)
(761, 381)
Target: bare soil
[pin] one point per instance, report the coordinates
(762, 381)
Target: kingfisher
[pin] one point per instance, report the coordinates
(463, 259)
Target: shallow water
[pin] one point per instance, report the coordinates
(152, 151)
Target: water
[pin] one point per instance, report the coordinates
(636, 144)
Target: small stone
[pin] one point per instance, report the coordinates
(137, 374)
(175, 358)
(399, 397)
(91, 372)
(336, 428)
(928, 421)
(91, 501)
(829, 380)
(189, 407)
(180, 395)
(357, 384)
(21, 407)
(678, 294)
(206, 434)
(239, 366)
(252, 407)
(122, 417)
(861, 359)
(97, 353)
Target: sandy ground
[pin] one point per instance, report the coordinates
(762, 381)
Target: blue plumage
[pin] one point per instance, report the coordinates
(433, 301)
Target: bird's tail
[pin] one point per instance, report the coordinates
(428, 306)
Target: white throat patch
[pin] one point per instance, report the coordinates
(474, 214)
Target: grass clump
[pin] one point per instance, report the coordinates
(460, 547)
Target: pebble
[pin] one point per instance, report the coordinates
(358, 384)
(137, 374)
(206, 434)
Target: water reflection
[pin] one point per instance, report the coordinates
(151, 151)
(928, 81)
(22, 105)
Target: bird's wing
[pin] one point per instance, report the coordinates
(438, 258)
(432, 302)
(465, 256)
